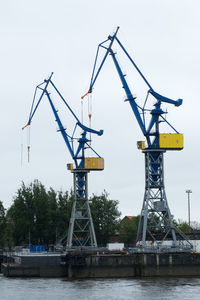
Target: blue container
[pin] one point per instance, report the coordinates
(37, 248)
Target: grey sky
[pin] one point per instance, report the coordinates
(38, 37)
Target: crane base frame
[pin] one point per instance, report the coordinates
(156, 230)
(81, 229)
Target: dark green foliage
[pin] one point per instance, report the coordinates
(40, 216)
(105, 216)
(37, 216)
(183, 227)
(64, 207)
(2, 224)
(128, 230)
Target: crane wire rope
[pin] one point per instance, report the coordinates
(82, 111)
(22, 146)
(90, 113)
(28, 141)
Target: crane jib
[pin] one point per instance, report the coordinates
(139, 112)
(77, 155)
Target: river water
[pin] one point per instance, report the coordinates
(111, 289)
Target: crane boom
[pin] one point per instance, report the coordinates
(156, 222)
(68, 141)
(81, 229)
(129, 95)
(156, 113)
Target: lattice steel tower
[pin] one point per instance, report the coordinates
(155, 218)
(81, 229)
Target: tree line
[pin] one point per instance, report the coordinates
(41, 216)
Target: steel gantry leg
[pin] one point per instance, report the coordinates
(81, 229)
(156, 222)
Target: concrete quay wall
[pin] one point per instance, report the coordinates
(136, 265)
(109, 266)
(44, 271)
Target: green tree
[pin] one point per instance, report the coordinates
(105, 216)
(9, 231)
(128, 230)
(37, 215)
(52, 216)
(2, 224)
(27, 218)
(183, 227)
(19, 216)
(64, 207)
(41, 216)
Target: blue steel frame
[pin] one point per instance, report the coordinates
(138, 111)
(78, 155)
(81, 229)
(155, 200)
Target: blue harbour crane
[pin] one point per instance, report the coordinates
(81, 231)
(156, 227)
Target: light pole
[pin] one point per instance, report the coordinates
(188, 192)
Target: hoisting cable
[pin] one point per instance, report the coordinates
(22, 148)
(82, 111)
(90, 113)
(31, 107)
(28, 141)
(143, 109)
(33, 110)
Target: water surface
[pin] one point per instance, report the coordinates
(111, 289)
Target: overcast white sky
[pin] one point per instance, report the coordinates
(38, 37)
